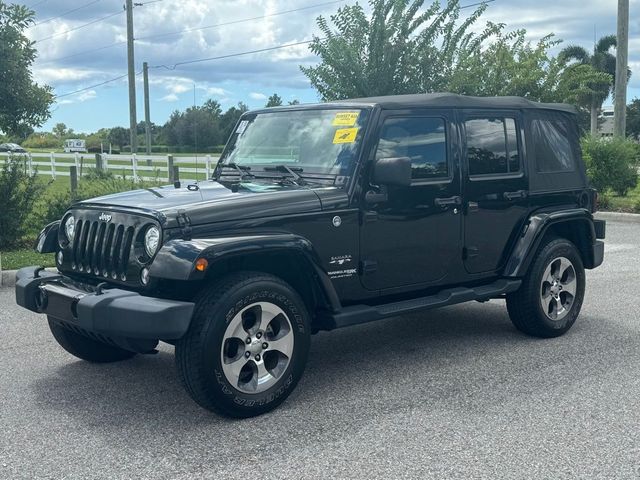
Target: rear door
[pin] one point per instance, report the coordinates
(495, 187)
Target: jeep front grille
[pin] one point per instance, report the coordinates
(102, 248)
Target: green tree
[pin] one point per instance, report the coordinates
(274, 101)
(294, 102)
(213, 107)
(59, 130)
(118, 136)
(23, 103)
(633, 119)
(511, 65)
(230, 119)
(398, 50)
(602, 60)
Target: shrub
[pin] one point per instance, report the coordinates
(19, 193)
(612, 163)
(42, 140)
(604, 201)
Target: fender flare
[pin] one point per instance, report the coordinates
(47, 241)
(533, 232)
(176, 259)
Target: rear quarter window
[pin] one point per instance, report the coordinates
(554, 150)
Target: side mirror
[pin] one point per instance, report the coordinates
(392, 171)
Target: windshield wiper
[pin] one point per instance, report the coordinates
(297, 178)
(243, 170)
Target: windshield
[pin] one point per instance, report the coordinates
(310, 141)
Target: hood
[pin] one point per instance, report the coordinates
(213, 201)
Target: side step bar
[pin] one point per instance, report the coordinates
(357, 314)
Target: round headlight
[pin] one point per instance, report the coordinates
(151, 240)
(70, 227)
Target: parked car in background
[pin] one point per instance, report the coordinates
(12, 147)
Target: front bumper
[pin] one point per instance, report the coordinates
(111, 312)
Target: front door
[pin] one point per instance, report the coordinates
(496, 192)
(414, 236)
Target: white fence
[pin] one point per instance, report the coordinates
(134, 166)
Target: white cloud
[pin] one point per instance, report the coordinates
(258, 96)
(171, 97)
(87, 95)
(215, 91)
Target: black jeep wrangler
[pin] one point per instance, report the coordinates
(320, 217)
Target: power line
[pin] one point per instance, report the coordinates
(233, 22)
(37, 3)
(79, 26)
(220, 57)
(188, 62)
(95, 86)
(66, 13)
(93, 50)
(261, 50)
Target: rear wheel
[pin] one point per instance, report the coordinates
(247, 345)
(84, 347)
(549, 300)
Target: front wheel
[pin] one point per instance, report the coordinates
(549, 300)
(247, 345)
(84, 347)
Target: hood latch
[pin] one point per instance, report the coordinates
(185, 224)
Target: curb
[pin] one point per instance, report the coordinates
(8, 277)
(618, 216)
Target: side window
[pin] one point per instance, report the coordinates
(492, 146)
(422, 139)
(552, 145)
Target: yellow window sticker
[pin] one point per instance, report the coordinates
(345, 135)
(345, 119)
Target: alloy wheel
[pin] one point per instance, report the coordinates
(558, 288)
(257, 347)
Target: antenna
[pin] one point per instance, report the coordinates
(195, 128)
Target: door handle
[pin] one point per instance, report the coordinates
(515, 195)
(445, 202)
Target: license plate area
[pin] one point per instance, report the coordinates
(60, 302)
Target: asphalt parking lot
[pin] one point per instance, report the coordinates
(454, 393)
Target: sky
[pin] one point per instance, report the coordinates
(75, 56)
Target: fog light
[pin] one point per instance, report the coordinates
(144, 276)
(60, 257)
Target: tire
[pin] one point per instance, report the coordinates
(86, 348)
(247, 346)
(550, 297)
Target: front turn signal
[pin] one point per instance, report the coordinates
(201, 264)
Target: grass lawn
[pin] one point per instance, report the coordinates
(629, 203)
(24, 258)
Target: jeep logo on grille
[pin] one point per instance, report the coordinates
(105, 217)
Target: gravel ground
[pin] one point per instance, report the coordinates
(454, 393)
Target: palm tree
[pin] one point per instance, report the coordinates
(602, 60)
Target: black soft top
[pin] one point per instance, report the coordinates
(452, 100)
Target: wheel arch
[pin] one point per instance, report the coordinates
(289, 257)
(575, 225)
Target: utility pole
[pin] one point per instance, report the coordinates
(133, 124)
(622, 53)
(147, 115)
